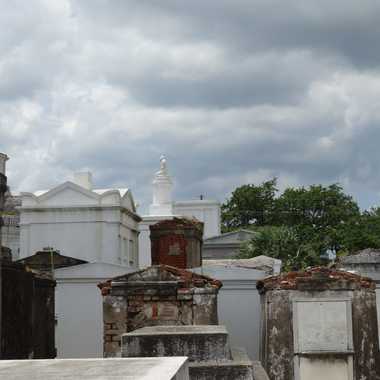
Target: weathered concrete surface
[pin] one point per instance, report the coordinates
(341, 325)
(158, 295)
(239, 367)
(96, 369)
(210, 356)
(198, 343)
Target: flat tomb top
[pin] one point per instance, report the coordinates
(94, 369)
(180, 330)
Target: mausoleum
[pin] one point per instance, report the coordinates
(95, 225)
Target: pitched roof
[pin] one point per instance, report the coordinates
(237, 237)
(45, 260)
(162, 273)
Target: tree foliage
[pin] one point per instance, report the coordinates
(249, 205)
(300, 224)
(284, 243)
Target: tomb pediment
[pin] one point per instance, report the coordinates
(65, 195)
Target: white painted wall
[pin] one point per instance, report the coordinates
(79, 309)
(206, 211)
(99, 225)
(239, 307)
(333, 369)
(79, 330)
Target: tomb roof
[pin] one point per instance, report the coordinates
(317, 278)
(162, 274)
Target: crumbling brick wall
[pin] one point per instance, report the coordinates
(159, 295)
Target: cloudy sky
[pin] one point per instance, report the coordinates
(232, 91)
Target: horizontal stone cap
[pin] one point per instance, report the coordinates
(318, 278)
(179, 330)
(178, 223)
(160, 274)
(159, 368)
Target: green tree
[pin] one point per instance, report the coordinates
(319, 213)
(249, 205)
(362, 232)
(282, 243)
(303, 223)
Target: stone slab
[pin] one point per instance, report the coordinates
(174, 368)
(239, 368)
(199, 343)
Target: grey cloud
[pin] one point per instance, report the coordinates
(231, 91)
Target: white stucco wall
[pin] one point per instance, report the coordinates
(316, 368)
(239, 307)
(79, 331)
(79, 309)
(206, 211)
(97, 225)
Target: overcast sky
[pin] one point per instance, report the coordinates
(232, 91)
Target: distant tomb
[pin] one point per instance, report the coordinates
(320, 323)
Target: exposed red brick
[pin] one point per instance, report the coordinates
(154, 311)
(324, 275)
(177, 242)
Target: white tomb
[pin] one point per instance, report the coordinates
(96, 225)
(163, 208)
(79, 308)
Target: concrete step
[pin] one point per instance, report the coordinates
(199, 343)
(238, 368)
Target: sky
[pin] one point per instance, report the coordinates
(232, 92)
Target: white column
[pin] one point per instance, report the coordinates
(162, 191)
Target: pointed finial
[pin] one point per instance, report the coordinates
(163, 163)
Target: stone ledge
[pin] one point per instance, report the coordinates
(239, 368)
(199, 343)
(96, 369)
